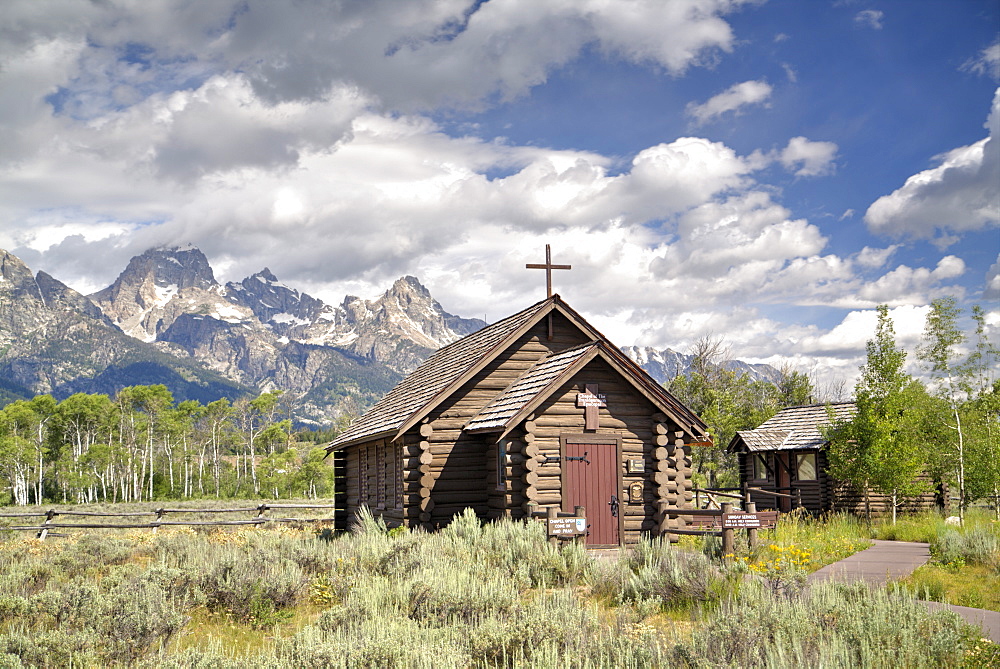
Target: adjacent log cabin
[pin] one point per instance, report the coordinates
(787, 454)
(536, 409)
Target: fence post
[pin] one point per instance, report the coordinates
(156, 522)
(746, 494)
(728, 543)
(530, 508)
(42, 533)
(664, 525)
(697, 498)
(751, 531)
(551, 513)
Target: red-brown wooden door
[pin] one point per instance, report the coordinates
(782, 467)
(591, 481)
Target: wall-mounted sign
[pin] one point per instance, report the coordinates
(635, 492)
(765, 519)
(588, 400)
(636, 465)
(591, 401)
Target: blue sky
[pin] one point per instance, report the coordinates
(766, 172)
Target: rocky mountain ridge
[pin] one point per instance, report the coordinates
(667, 363)
(55, 340)
(166, 319)
(162, 291)
(166, 312)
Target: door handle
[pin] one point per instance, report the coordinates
(614, 506)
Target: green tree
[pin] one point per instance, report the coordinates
(31, 420)
(315, 474)
(881, 448)
(252, 418)
(969, 390)
(16, 457)
(939, 353)
(278, 473)
(983, 419)
(214, 433)
(81, 422)
(793, 388)
(729, 401)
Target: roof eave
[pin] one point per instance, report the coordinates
(690, 422)
(603, 349)
(483, 430)
(337, 446)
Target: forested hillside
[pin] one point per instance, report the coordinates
(142, 445)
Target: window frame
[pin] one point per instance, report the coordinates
(815, 466)
(501, 465)
(761, 461)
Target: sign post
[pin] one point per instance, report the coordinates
(728, 538)
(565, 526)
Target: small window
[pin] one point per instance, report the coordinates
(805, 467)
(363, 475)
(760, 470)
(380, 490)
(398, 477)
(502, 464)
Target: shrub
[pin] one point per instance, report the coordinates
(94, 552)
(440, 595)
(50, 648)
(654, 570)
(12, 606)
(829, 625)
(71, 605)
(131, 619)
(517, 548)
(252, 590)
(975, 545)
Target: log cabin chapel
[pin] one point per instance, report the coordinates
(536, 410)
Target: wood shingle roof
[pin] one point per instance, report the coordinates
(510, 402)
(793, 428)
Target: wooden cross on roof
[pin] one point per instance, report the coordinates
(548, 267)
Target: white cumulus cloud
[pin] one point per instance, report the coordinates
(808, 158)
(986, 62)
(991, 291)
(961, 194)
(733, 99)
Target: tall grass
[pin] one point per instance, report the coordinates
(826, 626)
(471, 595)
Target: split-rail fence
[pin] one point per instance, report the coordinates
(45, 528)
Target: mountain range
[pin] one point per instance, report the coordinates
(665, 364)
(166, 319)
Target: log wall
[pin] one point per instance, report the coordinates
(845, 497)
(814, 493)
(828, 494)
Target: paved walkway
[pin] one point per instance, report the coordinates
(885, 561)
(892, 560)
